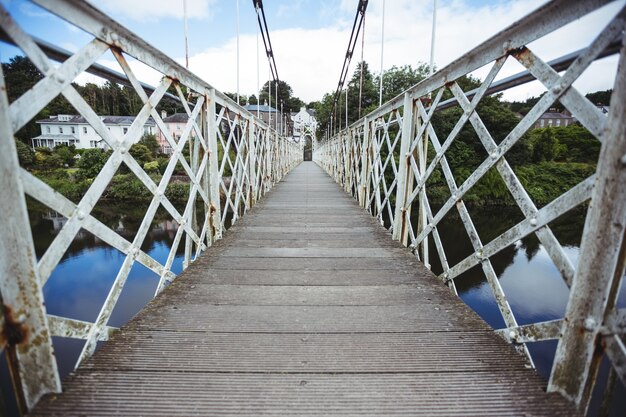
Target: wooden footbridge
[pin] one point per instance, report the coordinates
(303, 311)
(319, 298)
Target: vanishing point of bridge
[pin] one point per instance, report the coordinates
(306, 307)
(317, 300)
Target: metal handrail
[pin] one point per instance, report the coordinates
(253, 154)
(386, 158)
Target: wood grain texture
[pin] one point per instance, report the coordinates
(306, 307)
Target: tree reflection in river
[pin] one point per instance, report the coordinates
(80, 283)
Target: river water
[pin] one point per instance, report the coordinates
(79, 285)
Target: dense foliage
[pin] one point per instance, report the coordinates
(109, 99)
(548, 161)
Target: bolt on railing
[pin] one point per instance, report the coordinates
(252, 154)
(386, 160)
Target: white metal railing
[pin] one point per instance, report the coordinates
(386, 159)
(253, 154)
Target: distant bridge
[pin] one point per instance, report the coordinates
(308, 305)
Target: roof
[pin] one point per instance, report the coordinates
(554, 115)
(108, 120)
(177, 118)
(56, 137)
(263, 108)
(311, 112)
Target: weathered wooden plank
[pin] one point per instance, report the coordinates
(305, 353)
(343, 252)
(165, 316)
(268, 277)
(299, 264)
(306, 307)
(342, 242)
(259, 295)
(234, 394)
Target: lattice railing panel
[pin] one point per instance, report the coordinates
(228, 157)
(403, 152)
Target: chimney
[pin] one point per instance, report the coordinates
(163, 114)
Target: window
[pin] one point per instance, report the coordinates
(125, 129)
(73, 129)
(550, 123)
(48, 129)
(92, 143)
(542, 123)
(85, 129)
(558, 122)
(60, 129)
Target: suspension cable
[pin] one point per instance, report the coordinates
(362, 65)
(356, 28)
(382, 54)
(258, 78)
(258, 5)
(186, 34)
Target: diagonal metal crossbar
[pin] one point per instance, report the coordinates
(230, 157)
(387, 159)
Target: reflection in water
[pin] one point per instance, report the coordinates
(533, 285)
(83, 278)
(80, 283)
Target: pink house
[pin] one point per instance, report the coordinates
(176, 125)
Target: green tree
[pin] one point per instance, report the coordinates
(25, 154)
(149, 140)
(54, 161)
(66, 153)
(20, 75)
(91, 162)
(285, 96)
(398, 79)
(368, 94)
(545, 145)
(141, 153)
(600, 97)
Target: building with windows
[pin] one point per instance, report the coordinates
(554, 119)
(67, 129)
(176, 124)
(304, 123)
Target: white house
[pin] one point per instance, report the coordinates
(68, 129)
(304, 122)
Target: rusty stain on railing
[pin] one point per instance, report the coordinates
(254, 155)
(362, 158)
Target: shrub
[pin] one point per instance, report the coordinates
(25, 154)
(91, 163)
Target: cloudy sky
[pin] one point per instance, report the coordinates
(310, 37)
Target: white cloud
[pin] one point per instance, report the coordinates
(310, 60)
(31, 10)
(149, 10)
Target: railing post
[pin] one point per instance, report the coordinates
(365, 165)
(29, 351)
(405, 180)
(214, 169)
(422, 156)
(194, 153)
(206, 176)
(601, 261)
(252, 163)
(346, 161)
(268, 159)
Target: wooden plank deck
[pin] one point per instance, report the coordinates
(306, 307)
